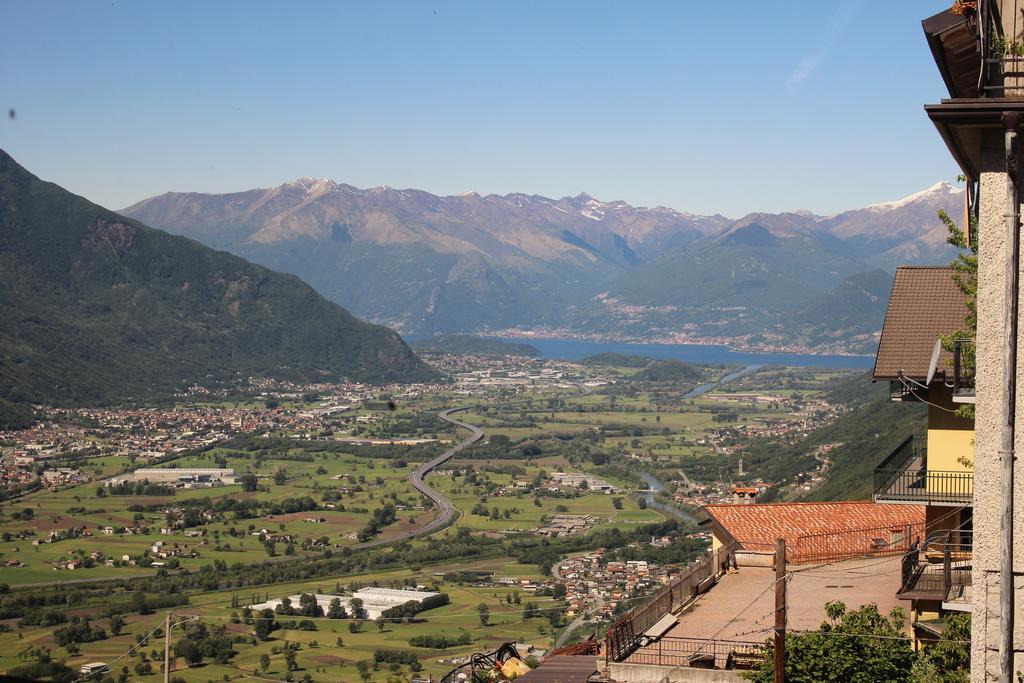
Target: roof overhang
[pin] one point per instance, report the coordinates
(954, 47)
(717, 528)
(963, 122)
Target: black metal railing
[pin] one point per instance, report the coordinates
(904, 477)
(924, 486)
(902, 390)
(912, 450)
(940, 566)
(1000, 33)
(963, 368)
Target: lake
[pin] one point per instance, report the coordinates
(572, 349)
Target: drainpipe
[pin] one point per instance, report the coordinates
(1006, 451)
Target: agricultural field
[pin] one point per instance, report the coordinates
(307, 497)
(366, 485)
(492, 504)
(318, 655)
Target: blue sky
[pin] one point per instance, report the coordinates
(707, 107)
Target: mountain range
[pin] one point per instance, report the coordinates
(476, 263)
(97, 307)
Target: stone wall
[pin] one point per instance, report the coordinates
(987, 466)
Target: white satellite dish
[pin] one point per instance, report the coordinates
(933, 365)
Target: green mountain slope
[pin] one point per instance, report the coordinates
(740, 279)
(869, 432)
(98, 307)
(669, 371)
(851, 311)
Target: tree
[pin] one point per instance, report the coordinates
(265, 662)
(189, 650)
(248, 482)
(289, 660)
(116, 624)
(264, 623)
(335, 610)
(381, 622)
(485, 613)
(141, 605)
(280, 477)
(617, 503)
(861, 645)
(948, 660)
(965, 275)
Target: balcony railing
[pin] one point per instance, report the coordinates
(998, 30)
(904, 477)
(941, 570)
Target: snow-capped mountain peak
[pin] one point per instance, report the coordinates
(940, 188)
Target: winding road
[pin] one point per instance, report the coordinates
(416, 479)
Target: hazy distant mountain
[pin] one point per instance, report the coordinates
(426, 263)
(99, 307)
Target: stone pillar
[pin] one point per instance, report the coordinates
(987, 466)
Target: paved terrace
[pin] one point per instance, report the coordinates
(726, 613)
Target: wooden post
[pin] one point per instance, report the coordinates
(780, 610)
(167, 648)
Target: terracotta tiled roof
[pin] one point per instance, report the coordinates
(758, 526)
(925, 302)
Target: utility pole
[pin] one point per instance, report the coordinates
(780, 610)
(167, 648)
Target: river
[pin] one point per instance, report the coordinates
(654, 486)
(705, 388)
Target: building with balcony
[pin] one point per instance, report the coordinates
(978, 47)
(710, 622)
(935, 470)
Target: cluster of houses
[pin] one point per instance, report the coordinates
(59, 477)
(596, 587)
(12, 475)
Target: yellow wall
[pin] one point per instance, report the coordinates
(947, 446)
(950, 438)
(716, 542)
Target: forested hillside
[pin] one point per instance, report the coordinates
(97, 308)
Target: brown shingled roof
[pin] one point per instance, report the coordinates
(562, 669)
(757, 526)
(925, 303)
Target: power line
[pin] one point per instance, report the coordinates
(127, 652)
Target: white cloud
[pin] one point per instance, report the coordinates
(808, 65)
